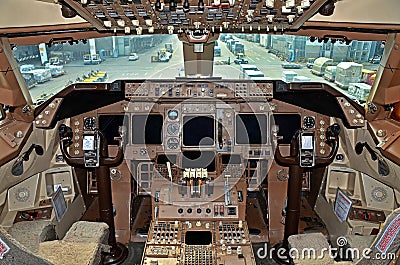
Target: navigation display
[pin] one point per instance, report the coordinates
(251, 129)
(147, 129)
(198, 131)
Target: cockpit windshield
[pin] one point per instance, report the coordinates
(349, 67)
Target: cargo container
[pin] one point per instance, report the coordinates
(346, 73)
(288, 76)
(251, 74)
(320, 65)
(359, 90)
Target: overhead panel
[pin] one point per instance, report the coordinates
(178, 16)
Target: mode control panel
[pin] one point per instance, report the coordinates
(177, 89)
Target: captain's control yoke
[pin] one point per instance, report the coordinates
(95, 156)
(302, 156)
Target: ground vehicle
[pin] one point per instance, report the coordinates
(162, 56)
(253, 74)
(30, 80)
(54, 61)
(375, 60)
(241, 59)
(230, 44)
(91, 59)
(40, 75)
(368, 76)
(320, 65)
(133, 56)
(291, 65)
(64, 57)
(217, 51)
(330, 73)
(238, 48)
(310, 63)
(56, 70)
(168, 47)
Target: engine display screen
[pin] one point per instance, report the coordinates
(110, 125)
(251, 129)
(147, 129)
(198, 131)
(288, 125)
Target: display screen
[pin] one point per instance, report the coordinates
(307, 142)
(88, 143)
(110, 125)
(198, 238)
(198, 131)
(147, 129)
(251, 129)
(288, 125)
(59, 204)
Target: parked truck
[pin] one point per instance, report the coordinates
(168, 47)
(55, 70)
(162, 56)
(230, 44)
(238, 48)
(55, 66)
(91, 59)
(217, 51)
(30, 80)
(330, 73)
(320, 65)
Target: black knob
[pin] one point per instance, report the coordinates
(64, 131)
(186, 6)
(172, 6)
(327, 9)
(158, 5)
(333, 130)
(180, 210)
(201, 5)
(189, 210)
(198, 210)
(208, 210)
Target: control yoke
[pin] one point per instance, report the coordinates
(302, 156)
(101, 145)
(332, 139)
(95, 156)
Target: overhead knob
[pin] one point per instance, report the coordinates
(327, 9)
(201, 5)
(186, 6)
(172, 6)
(158, 5)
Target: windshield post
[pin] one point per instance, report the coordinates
(13, 80)
(198, 55)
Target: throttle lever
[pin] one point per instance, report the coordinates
(360, 147)
(220, 142)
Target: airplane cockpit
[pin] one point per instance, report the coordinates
(199, 132)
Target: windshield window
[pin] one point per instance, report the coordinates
(349, 67)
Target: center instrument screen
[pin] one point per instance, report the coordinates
(251, 129)
(198, 131)
(147, 129)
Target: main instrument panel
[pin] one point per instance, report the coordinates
(198, 147)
